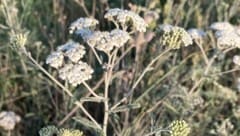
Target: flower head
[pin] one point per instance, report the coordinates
(165, 27)
(196, 34)
(222, 26)
(77, 73)
(236, 60)
(48, 131)
(123, 17)
(18, 42)
(73, 50)
(55, 59)
(105, 41)
(227, 39)
(175, 37)
(118, 37)
(8, 120)
(179, 128)
(83, 23)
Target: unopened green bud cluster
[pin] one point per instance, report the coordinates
(179, 128)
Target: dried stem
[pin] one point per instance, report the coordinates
(90, 90)
(108, 76)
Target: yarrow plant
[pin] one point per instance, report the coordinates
(116, 74)
(72, 66)
(67, 59)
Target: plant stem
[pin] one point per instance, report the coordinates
(59, 84)
(199, 44)
(46, 73)
(108, 76)
(148, 68)
(86, 112)
(97, 56)
(90, 90)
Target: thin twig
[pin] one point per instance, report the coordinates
(46, 73)
(97, 56)
(90, 90)
(88, 115)
(76, 107)
(203, 52)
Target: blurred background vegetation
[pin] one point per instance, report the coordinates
(29, 93)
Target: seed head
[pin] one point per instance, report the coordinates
(175, 38)
(18, 41)
(69, 132)
(179, 128)
(48, 131)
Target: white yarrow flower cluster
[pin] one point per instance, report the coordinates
(119, 37)
(77, 73)
(8, 120)
(106, 41)
(221, 26)
(165, 27)
(74, 70)
(123, 17)
(55, 59)
(236, 60)
(196, 34)
(82, 23)
(73, 50)
(227, 35)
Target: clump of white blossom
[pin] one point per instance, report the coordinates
(227, 35)
(236, 60)
(55, 59)
(74, 70)
(67, 58)
(73, 50)
(106, 41)
(196, 34)
(123, 17)
(83, 23)
(165, 27)
(221, 26)
(174, 37)
(76, 73)
(8, 120)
